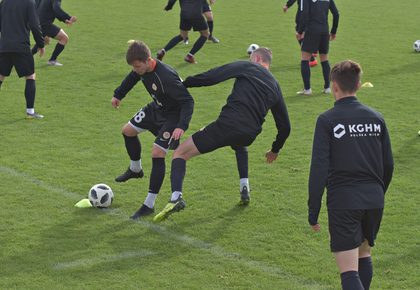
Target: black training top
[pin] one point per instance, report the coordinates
(189, 8)
(254, 92)
(17, 17)
(314, 16)
(351, 157)
(49, 10)
(166, 88)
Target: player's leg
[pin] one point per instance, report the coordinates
(347, 262)
(62, 38)
(184, 26)
(242, 164)
(365, 265)
(210, 22)
(306, 73)
(204, 35)
(323, 55)
(6, 65)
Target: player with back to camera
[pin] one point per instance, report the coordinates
(352, 158)
(254, 93)
(17, 18)
(167, 117)
(48, 11)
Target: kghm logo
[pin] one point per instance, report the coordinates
(357, 130)
(339, 131)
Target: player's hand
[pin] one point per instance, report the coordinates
(300, 36)
(177, 134)
(167, 8)
(271, 156)
(46, 40)
(316, 228)
(115, 102)
(41, 51)
(212, 2)
(72, 20)
(285, 8)
(332, 37)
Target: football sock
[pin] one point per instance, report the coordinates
(34, 49)
(326, 72)
(1, 82)
(177, 174)
(150, 200)
(132, 144)
(366, 271)
(312, 58)
(173, 42)
(306, 73)
(350, 281)
(30, 90)
(198, 44)
(210, 24)
(243, 182)
(135, 165)
(30, 110)
(176, 195)
(58, 49)
(242, 161)
(157, 175)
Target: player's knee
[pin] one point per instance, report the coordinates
(158, 152)
(240, 149)
(31, 77)
(205, 33)
(128, 131)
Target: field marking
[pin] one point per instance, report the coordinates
(215, 250)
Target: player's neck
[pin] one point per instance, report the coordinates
(152, 65)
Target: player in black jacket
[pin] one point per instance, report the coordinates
(17, 18)
(167, 117)
(352, 158)
(48, 11)
(191, 17)
(313, 29)
(254, 93)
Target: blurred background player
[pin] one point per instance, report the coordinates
(313, 62)
(167, 117)
(208, 13)
(17, 18)
(314, 32)
(48, 11)
(191, 17)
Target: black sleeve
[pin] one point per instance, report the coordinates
(184, 99)
(215, 75)
(1, 8)
(58, 12)
(127, 84)
(388, 161)
(304, 16)
(170, 5)
(319, 168)
(35, 26)
(290, 3)
(336, 16)
(281, 118)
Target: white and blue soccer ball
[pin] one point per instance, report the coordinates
(101, 195)
(252, 48)
(416, 46)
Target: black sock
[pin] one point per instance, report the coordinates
(300, 42)
(366, 271)
(158, 175)
(326, 72)
(30, 90)
(306, 73)
(178, 169)
(312, 58)
(1, 82)
(34, 49)
(350, 281)
(242, 161)
(132, 144)
(198, 44)
(211, 25)
(58, 49)
(173, 42)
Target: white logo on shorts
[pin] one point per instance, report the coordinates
(166, 135)
(154, 87)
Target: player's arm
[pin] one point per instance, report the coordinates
(288, 5)
(388, 160)
(170, 5)
(319, 169)
(127, 84)
(303, 16)
(336, 17)
(1, 8)
(34, 25)
(181, 95)
(59, 13)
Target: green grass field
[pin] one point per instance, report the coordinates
(47, 166)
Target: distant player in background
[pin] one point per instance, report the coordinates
(208, 13)
(48, 11)
(191, 17)
(313, 29)
(17, 19)
(352, 159)
(254, 93)
(167, 117)
(313, 62)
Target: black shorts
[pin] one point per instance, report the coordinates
(22, 61)
(316, 42)
(150, 118)
(197, 24)
(349, 228)
(217, 135)
(206, 6)
(50, 30)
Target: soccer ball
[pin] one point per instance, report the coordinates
(252, 48)
(101, 195)
(416, 46)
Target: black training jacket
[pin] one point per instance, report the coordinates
(49, 10)
(351, 157)
(17, 18)
(166, 88)
(314, 16)
(254, 92)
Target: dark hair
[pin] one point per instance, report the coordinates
(347, 75)
(265, 53)
(138, 50)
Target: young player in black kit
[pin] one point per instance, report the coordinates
(191, 17)
(17, 18)
(254, 93)
(352, 158)
(314, 31)
(208, 13)
(167, 117)
(48, 11)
